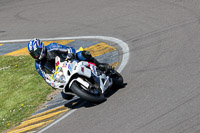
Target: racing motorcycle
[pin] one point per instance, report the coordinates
(84, 79)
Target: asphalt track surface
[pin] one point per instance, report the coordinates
(163, 89)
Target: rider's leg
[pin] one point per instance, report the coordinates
(86, 55)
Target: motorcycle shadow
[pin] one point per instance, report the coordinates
(79, 103)
(114, 89)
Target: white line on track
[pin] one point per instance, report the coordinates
(125, 58)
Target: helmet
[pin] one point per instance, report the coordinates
(36, 49)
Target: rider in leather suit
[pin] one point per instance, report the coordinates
(45, 57)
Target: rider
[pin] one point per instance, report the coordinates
(45, 57)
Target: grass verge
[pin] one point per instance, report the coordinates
(21, 90)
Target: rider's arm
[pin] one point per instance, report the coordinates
(42, 73)
(61, 48)
(70, 51)
(67, 52)
(39, 69)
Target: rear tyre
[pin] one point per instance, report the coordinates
(118, 80)
(86, 95)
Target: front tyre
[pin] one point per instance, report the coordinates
(86, 95)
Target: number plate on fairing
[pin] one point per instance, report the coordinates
(82, 70)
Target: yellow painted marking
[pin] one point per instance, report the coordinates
(114, 64)
(34, 120)
(63, 42)
(99, 49)
(24, 51)
(30, 127)
(1, 44)
(46, 112)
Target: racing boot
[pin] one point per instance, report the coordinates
(105, 67)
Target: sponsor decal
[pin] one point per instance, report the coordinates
(94, 70)
(52, 84)
(57, 63)
(58, 69)
(54, 77)
(90, 63)
(64, 65)
(82, 69)
(69, 67)
(51, 77)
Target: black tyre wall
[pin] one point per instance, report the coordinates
(86, 95)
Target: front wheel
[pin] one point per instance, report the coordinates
(87, 95)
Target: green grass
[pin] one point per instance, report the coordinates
(21, 90)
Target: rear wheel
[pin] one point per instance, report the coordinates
(118, 80)
(92, 95)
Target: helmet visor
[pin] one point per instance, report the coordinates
(36, 54)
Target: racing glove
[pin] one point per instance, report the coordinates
(70, 56)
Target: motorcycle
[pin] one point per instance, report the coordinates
(84, 79)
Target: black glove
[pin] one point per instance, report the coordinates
(70, 56)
